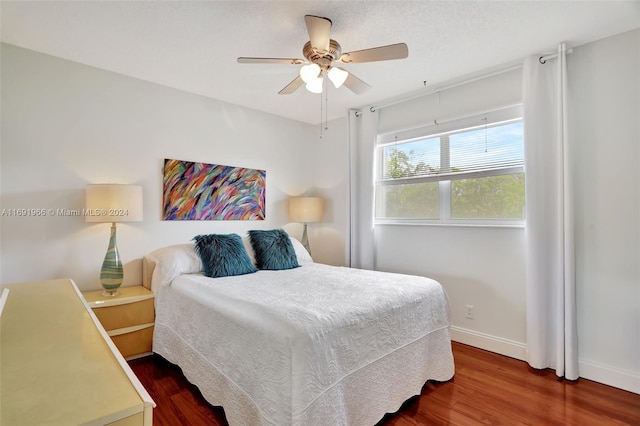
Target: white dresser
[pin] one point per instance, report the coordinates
(59, 367)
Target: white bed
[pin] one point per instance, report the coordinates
(315, 345)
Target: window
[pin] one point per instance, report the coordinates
(462, 171)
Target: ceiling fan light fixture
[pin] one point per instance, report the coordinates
(337, 76)
(315, 85)
(310, 72)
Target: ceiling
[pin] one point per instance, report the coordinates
(193, 45)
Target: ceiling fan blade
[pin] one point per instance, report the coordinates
(292, 87)
(319, 30)
(382, 53)
(292, 61)
(356, 85)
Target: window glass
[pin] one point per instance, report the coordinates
(494, 197)
(408, 201)
(410, 159)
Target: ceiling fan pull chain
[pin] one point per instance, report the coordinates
(326, 104)
(320, 116)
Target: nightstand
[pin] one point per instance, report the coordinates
(128, 318)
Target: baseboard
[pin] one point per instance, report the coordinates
(499, 345)
(605, 374)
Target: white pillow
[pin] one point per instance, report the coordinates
(249, 248)
(173, 261)
(301, 253)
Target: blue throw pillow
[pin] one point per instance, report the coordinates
(273, 250)
(223, 255)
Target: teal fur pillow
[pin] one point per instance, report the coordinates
(223, 255)
(273, 250)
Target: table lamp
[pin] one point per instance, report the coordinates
(113, 203)
(305, 210)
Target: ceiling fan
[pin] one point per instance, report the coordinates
(321, 51)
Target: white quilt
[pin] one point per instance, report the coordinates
(315, 345)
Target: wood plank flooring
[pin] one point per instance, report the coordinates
(488, 389)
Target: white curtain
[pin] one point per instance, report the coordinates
(551, 306)
(363, 126)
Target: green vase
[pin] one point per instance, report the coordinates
(111, 273)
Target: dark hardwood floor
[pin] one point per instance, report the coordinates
(488, 389)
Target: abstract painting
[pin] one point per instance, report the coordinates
(200, 191)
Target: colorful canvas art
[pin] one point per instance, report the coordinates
(200, 191)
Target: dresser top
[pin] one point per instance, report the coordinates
(56, 366)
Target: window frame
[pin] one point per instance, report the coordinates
(496, 117)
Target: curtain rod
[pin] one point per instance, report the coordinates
(543, 59)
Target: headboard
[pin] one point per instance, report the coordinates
(148, 266)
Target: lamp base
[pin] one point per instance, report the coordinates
(111, 273)
(305, 239)
(111, 292)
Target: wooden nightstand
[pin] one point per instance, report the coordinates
(128, 318)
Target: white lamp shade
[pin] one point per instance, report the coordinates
(337, 76)
(315, 85)
(113, 203)
(306, 209)
(309, 72)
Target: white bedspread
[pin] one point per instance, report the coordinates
(297, 347)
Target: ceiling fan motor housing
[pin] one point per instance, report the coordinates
(321, 57)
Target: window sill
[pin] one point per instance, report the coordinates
(518, 225)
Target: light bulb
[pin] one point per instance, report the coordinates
(337, 76)
(315, 85)
(309, 72)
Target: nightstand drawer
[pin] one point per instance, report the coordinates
(121, 316)
(127, 317)
(135, 342)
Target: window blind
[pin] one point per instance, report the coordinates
(479, 145)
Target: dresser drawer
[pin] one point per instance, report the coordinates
(121, 316)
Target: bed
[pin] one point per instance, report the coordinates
(311, 345)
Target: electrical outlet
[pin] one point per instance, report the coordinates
(469, 314)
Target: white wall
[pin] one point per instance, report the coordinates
(485, 266)
(478, 266)
(604, 132)
(329, 160)
(65, 125)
